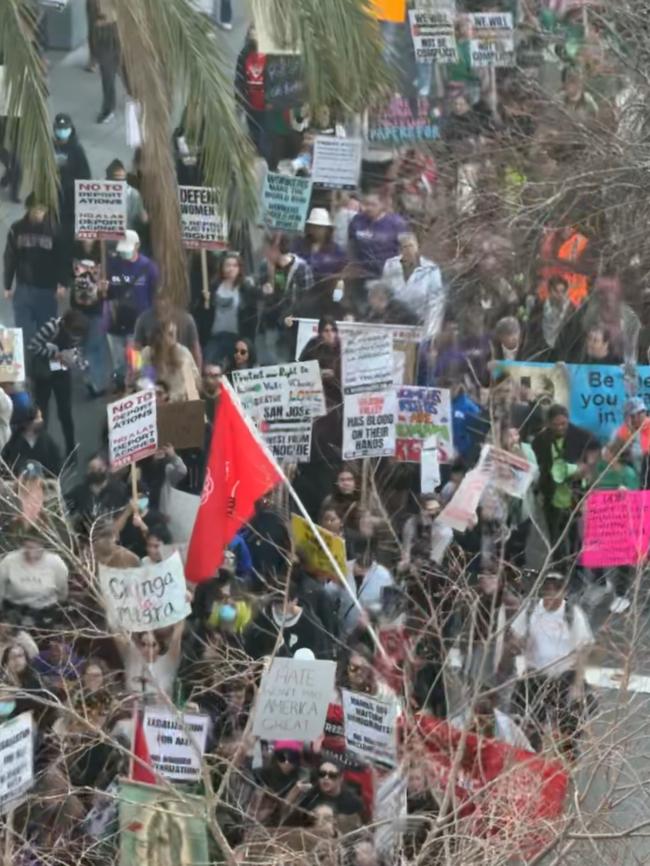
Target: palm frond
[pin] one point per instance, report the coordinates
(28, 129)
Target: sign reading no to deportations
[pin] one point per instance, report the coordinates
(203, 224)
(100, 209)
(132, 430)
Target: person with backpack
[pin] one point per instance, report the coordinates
(554, 636)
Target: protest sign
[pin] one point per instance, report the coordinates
(160, 826)
(284, 81)
(433, 35)
(460, 511)
(182, 509)
(176, 742)
(140, 599)
(370, 727)
(337, 162)
(282, 392)
(423, 412)
(100, 209)
(203, 225)
(181, 427)
(409, 335)
(285, 201)
(616, 528)
(492, 40)
(508, 472)
(132, 431)
(366, 360)
(293, 699)
(12, 355)
(313, 559)
(369, 425)
(389, 812)
(402, 121)
(289, 442)
(16, 760)
(429, 466)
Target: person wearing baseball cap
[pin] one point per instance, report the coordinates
(633, 436)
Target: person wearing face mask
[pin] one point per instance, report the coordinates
(99, 493)
(72, 165)
(86, 299)
(30, 443)
(325, 257)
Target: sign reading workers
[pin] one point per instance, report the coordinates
(149, 597)
(176, 743)
(132, 430)
(202, 223)
(370, 727)
(492, 41)
(293, 699)
(369, 425)
(337, 162)
(16, 760)
(100, 209)
(285, 201)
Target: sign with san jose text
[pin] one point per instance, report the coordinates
(288, 442)
(281, 392)
(100, 209)
(285, 201)
(203, 225)
(132, 430)
(176, 742)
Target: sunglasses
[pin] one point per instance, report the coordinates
(241, 351)
(328, 774)
(287, 757)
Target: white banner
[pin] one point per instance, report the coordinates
(176, 742)
(16, 760)
(100, 209)
(370, 727)
(145, 598)
(337, 162)
(203, 224)
(283, 392)
(132, 429)
(434, 38)
(367, 361)
(369, 425)
(293, 699)
(508, 472)
(308, 328)
(492, 40)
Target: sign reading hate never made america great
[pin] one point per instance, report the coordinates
(202, 223)
(100, 209)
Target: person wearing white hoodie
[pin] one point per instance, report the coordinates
(366, 580)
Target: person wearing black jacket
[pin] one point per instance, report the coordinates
(30, 443)
(73, 165)
(33, 259)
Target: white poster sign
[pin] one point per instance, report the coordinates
(16, 760)
(145, 598)
(290, 442)
(367, 360)
(293, 699)
(203, 224)
(132, 429)
(12, 355)
(182, 509)
(176, 743)
(337, 162)
(283, 392)
(370, 727)
(308, 328)
(369, 425)
(434, 38)
(460, 511)
(492, 41)
(508, 472)
(100, 209)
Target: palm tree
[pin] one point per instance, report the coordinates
(170, 48)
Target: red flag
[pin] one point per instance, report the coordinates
(141, 771)
(239, 472)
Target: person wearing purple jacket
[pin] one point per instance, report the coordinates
(326, 258)
(133, 280)
(374, 236)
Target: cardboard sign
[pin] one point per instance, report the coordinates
(203, 225)
(402, 121)
(16, 760)
(285, 201)
(176, 743)
(460, 511)
(370, 727)
(492, 41)
(282, 392)
(313, 558)
(421, 413)
(145, 598)
(508, 472)
(100, 209)
(182, 509)
(369, 425)
(284, 81)
(366, 360)
(293, 699)
(434, 38)
(132, 430)
(12, 355)
(288, 442)
(337, 162)
(616, 529)
(182, 427)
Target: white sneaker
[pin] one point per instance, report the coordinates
(619, 605)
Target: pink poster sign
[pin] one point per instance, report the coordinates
(616, 529)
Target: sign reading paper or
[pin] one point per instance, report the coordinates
(367, 360)
(421, 413)
(16, 760)
(149, 597)
(176, 742)
(12, 355)
(337, 162)
(283, 392)
(508, 472)
(434, 38)
(616, 528)
(100, 209)
(288, 442)
(370, 727)
(293, 699)
(132, 430)
(203, 224)
(313, 558)
(285, 201)
(492, 41)
(397, 123)
(369, 425)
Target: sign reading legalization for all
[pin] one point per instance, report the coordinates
(100, 209)
(492, 40)
(433, 34)
(176, 742)
(16, 760)
(370, 727)
(337, 162)
(132, 430)
(151, 596)
(285, 201)
(293, 699)
(203, 224)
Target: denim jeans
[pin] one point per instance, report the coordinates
(95, 351)
(219, 348)
(32, 308)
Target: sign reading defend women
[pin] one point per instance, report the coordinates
(145, 598)
(203, 224)
(132, 429)
(100, 209)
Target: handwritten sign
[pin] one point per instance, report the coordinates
(433, 35)
(16, 760)
(176, 743)
(423, 412)
(285, 201)
(508, 472)
(492, 40)
(337, 162)
(313, 558)
(370, 727)
(293, 699)
(12, 355)
(401, 121)
(282, 392)
(100, 209)
(132, 430)
(369, 425)
(366, 360)
(203, 225)
(284, 80)
(145, 598)
(617, 528)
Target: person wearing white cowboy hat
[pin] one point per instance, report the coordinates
(326, 258)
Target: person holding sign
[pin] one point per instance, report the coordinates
(172, 362)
